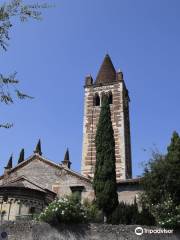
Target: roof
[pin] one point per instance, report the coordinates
(49, 162)
(23, 182)
(107, 72)
(130, 181)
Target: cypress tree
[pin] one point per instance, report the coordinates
(104, 182)
(21, 156)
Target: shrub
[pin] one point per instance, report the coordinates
(129, 214)
(64, 210)
(167, 214)
(124, 214)
(93, 213)
(145, 217)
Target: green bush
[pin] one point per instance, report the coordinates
(167, 214)
(93, 213)
(123, 214)
(64, 210)
(129, 214)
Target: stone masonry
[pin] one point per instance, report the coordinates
(48, 176)
(43, 231)
(111, 83)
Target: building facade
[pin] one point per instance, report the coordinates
(33, 183)
(108, 82)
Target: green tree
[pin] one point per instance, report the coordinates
(161, 175)
(173, 168)
(104, 182)
(161, 181)
(8, 11)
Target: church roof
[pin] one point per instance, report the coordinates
(49, 162)
(107, 72)
(23, 182)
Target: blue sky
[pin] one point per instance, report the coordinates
(53, 56)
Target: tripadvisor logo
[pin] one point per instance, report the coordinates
(139, 231)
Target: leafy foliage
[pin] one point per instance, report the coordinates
(8, 11)
(161, 183)
(93, 213)
(167, 214)
(104, 182)
(129, 214)
(65, 210)
(16, 8)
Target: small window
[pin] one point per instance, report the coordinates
(77, 191)
(110, 98)
(96, 100)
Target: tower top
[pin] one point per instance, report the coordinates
(107, 72)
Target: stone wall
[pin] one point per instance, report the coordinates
(120, 122)
(43, 231)
(51, 177)
(128, 192)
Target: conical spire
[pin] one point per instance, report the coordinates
(21, 156)
(66, 161)
(38, 148)
(9, 164)
(107, 72)
(66, 156)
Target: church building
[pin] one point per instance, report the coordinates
(29, 186)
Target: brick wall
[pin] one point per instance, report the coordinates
(121, 127)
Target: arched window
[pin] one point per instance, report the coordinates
(110, 97)
(96, 100)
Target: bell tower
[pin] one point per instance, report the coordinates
(110, 82)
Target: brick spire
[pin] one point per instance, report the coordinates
(9, 164)
(66, 161)
(107, 72)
